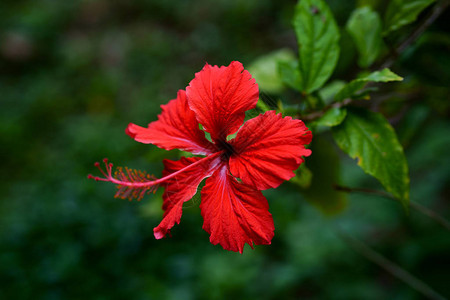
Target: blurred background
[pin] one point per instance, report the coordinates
(73, 74)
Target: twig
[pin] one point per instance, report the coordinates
(389, 266)
(437, 10)
(414, 205)
(317, 114)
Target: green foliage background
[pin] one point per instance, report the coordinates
(73, 74)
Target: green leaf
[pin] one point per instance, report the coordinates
(325, 166)
(364, 26)
(328, 92)
(384, 75)
(265, 70)
(402, 12)
(370, 138)
(290, 74)
(303, 177)
(349, 90)
(317, 38)
(262, 106)
(332, 117)
(287, 109)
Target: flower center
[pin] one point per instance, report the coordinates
(227, 148)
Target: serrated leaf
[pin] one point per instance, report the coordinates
(265, 70)
(368, 136)
(317, 38)
(402, 12)
(324, 164)
(332, 117)
(364, 26)
(354, 86)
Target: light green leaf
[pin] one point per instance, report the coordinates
(324, 164)
(364, 26)
(303, 177)
(261, 105)
(328, 92)
(286, 109)
(384, 75)
(332, 117)
(317, 38)
(402, 12)
(354, 86)
(265, 70)
(370, 138)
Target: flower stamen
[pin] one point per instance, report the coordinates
(134, 184)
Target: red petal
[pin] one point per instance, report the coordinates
(268, 149)
(176, 128)
(181, 188)
(235, 214)
(220, 97)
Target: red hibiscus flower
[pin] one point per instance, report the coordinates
(264, 153)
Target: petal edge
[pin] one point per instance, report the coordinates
(220, 97)
(176, 128)
(268, 149)
(235, 214)
(181, 188)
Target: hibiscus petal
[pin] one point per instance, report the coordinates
(235, 214)
(268, 148)
(182, 188)
(220, 97)
(176, 128)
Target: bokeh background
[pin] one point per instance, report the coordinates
(73, 74)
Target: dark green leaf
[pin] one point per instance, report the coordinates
(317, 37)
(370, 138)
(324, 164)
(403, 12)
(287, 109)
(354, 86)
(265, 70)
(364, 26)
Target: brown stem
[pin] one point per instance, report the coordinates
(414, 205)
(389, 266)
(437, 10)
(317, 114)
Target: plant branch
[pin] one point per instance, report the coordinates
(436, 11)
(389, 266)
(414, 205)
(317, 114)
